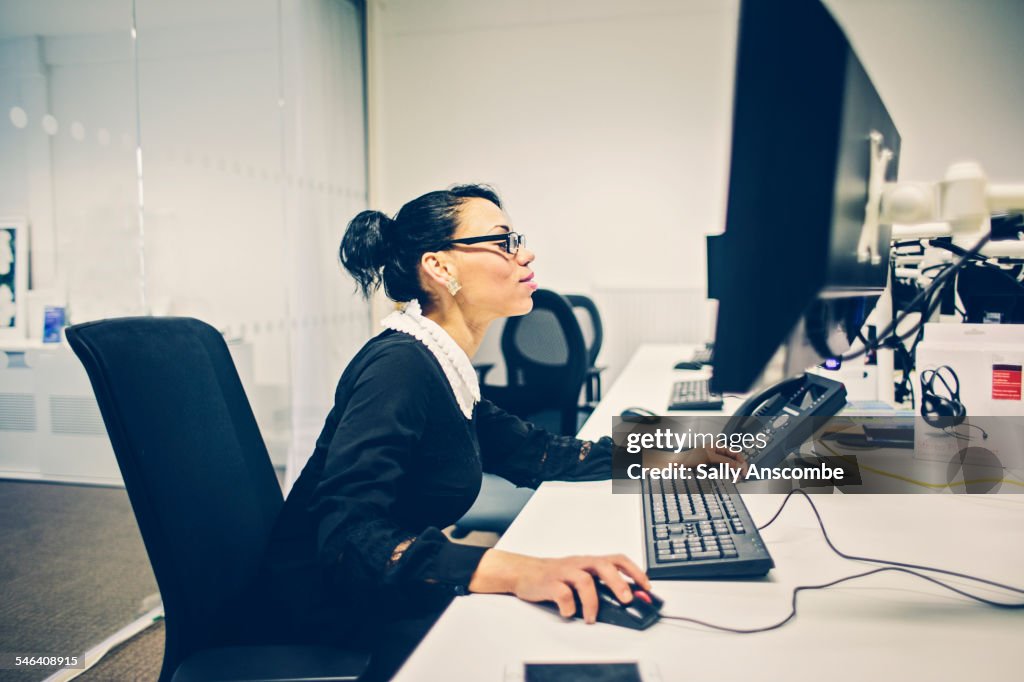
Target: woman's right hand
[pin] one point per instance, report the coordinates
(535, 579)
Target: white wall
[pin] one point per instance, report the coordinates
(606, 125)
(601, 124)
(949, 72)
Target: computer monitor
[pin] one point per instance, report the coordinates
(809, 132)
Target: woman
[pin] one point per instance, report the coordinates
(357, 552)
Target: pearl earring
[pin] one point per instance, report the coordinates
(454, 286)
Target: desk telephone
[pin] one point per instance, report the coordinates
(788, 413)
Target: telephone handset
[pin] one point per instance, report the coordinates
(783, 413)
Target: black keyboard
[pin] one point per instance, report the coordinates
(693, 394)
(700, 529)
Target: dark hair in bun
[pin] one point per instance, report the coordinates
(377, 249)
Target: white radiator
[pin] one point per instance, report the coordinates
(632, 317)
(50, 424)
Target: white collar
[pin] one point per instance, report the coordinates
(453, 360)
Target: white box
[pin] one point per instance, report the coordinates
(973, 351)
(987, 360)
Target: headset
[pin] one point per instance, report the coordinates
(944, 411)
(941, 411)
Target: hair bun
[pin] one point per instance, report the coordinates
(378, 250)
(364, 250)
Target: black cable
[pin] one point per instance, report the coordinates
(862, 339)
(953, 248)
(948, 430)
(906, 384)
(925, 294)
(934, 303)
(909, 243)
(968, 257)
(929, 304)
(896, 566)
(797, 590)
(852, 557)
(896, 343)
(976, 259)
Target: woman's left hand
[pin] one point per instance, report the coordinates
(736, 460)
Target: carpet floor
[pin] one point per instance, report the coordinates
(73, 570)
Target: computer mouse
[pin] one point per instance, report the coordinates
(639, 415)
(687, 364)
(639, 614)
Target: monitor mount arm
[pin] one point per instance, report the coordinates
(869, 247)
(958, 206)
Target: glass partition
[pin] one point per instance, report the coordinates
(163, 157)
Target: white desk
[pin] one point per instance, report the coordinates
(885, 627)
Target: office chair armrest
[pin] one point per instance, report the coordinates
(278, 663)
(592, 382)
(482, 370)
(513, 399)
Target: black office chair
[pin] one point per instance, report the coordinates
(202, 488)
(546, 361)
(593, 336)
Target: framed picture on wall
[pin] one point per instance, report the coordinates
(13, 278)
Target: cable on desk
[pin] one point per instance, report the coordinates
(895, 566)
(852, 557)
(949, 431)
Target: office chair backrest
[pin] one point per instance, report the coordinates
(590, 324)
(544, 351)
(194, 464)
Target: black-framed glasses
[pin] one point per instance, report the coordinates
(510, 241)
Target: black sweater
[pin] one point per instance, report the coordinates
(358, 542)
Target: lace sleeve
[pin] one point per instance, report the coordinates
(528, 455)
(571, 459)
(584, 451)
(398, 551)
